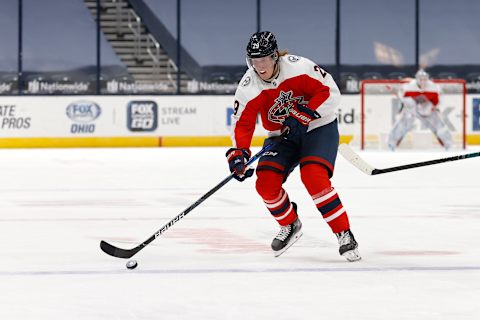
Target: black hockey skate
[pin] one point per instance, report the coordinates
(348, 246)
(287, 235)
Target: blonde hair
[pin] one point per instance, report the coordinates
(282, 53)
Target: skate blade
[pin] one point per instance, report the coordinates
(352, 255)
(295, 238)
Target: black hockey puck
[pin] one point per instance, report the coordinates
(132, 264)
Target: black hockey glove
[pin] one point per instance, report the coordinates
(296, 124)
(236, 161)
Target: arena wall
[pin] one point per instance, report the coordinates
(148, 121)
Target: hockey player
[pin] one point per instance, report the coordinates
(293, 94)
(420, 98)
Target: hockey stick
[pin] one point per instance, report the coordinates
(351, 156)
(128, 253)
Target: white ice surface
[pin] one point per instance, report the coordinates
(418, 230)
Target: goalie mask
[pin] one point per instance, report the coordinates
(422, 78)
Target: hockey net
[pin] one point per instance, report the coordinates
(380, 107)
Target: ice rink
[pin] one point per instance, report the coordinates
(418, 231)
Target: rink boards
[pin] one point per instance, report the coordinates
(148, 121)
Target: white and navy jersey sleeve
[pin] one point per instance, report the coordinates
(244, 108)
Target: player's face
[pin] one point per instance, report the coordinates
(264, 66)
(422, 82)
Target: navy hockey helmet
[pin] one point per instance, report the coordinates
(261, 44)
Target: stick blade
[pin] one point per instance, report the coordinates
(352, 157)
(117, 252)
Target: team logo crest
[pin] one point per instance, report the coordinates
(281, 109)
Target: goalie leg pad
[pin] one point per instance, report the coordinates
(439, 128)
(445, 137)
(400, 129)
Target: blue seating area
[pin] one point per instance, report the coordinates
(58, 43)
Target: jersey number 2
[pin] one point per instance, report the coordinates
(322, 72)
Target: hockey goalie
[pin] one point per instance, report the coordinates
(420, 100)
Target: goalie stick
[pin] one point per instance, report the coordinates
(347, 152)
(128, 253)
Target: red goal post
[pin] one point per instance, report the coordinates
(453, 93)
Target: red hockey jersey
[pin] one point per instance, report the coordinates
(431, 92)
(299, 81)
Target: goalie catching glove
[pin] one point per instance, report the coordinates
(296, 124)
(237, 158)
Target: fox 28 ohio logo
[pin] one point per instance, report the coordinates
(142, 116)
